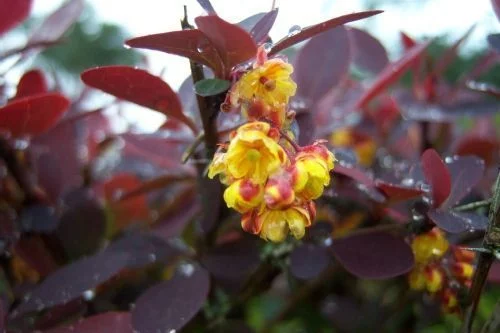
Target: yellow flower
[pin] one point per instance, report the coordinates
(269, 82)
(218, 165)
(274, 225)
(363, 145)
(429, 246)
(254, 153)
(312, 171)
(278, 193)
(243, 195)
(430, 278)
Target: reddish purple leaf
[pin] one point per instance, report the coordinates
(192, 44)
(496, 7)
(407, 41)
(13, 12)
(108, 322)
(170, 305)
(354, 173)
(261, 29)
(157, 183)
(207, 6)
(457, 222)
(313, 30)
(38, 218)
(494, 274)
(233, 43)
(396, 192)
(140, 87)
(450, 54)
(54, 26)
(69, 282)
(391, 74)
(368, 53)
(308, 261)
(306, 127)
(494, 41)
(485, 148)
(437, 175)
(32, 115)
(32, 83)
(318, 69)
(374, 255)
(466, 172)
(485, 88)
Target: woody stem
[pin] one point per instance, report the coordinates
(295, 146)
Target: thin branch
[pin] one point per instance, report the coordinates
(473, 205)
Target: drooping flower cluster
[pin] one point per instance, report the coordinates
(440, 269)
(270, 180)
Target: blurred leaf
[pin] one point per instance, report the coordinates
(367, 52)
(154, 184)
(407, 41)
(374, 255)
(450, 54)
(107, 322)
(496, 7)
(395, 192)
(306, 127)
(33, 115)
(171, 304)
(437, 175)
(357, 174)
(494, 41)
(140, 87)
(71, 281)
(457, 222)
(233, 44)
(313, 30)
(39, 218)
(319, 69)
(34, 252)
(307, 261)
(17, 11)
(484, 148)
(261, 309)
(261, 28)
(31, 83)
(207, 6)
(210, 87)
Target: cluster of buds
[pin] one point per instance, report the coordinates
(440, 269)
(270, 180)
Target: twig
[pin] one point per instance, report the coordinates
(473, 205)
(491, 242)
(192, 147)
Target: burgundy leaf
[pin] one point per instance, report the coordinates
(157, 183)
(368, 53)
(49, 174)
(173, 223)
(261, 29)
(450, 54)
(485, 88)
(140, 87)
(318, 69)
(374, 255)
(32, 115)
(13, 12)
(496, 7)
(54, 26)
(307, 261)
(437, 175)
(33, 251)
(306, 126)
(466, 172)
(107, 322)
(494, 274)
(354, 173)
(39, 218)
(71, 281)
(170, 305)
(396, 192)
(233, 44)
(32, 83)
(313, 30)
(391, 73)
(248, 23)
(457, 222)
(192, 44)
(484, 148)
(207, 6)
(407, 41)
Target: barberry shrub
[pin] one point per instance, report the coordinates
(313, 192)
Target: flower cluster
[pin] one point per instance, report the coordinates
(440, 269)
(270, 180)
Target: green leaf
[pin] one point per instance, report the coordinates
(210, 87)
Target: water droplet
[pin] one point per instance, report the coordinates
(424, 187)
(186, 269)
(328, 241)
(295, 29)
(152, 257)
(88, 295)
(117, 194)
(408, 182)
(21, 144)
(172, 331)
(203, 46)
(448, 159)
(267, 47)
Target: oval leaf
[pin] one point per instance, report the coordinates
(170, 305)
(457, 222)
(210, 87)
(437, 175)
(368, 53)
(396, 192)
(32, 82)
(261, 29)
(374, 255)
(233, 43)
(319, 69)
(13, 12)
(313, 30)
(308, 261)
(32, 115)
(108, 322)
(140, 87)
(71, 281)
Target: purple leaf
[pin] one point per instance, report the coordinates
(466, 172)
(17, 11)
(318, 69)
(308, 261)
(396, 192)
(494, 41)
(367, 52)
(207, 6)
(374, 255)
(39, 218)
(69, 282)
(306, 125)
(457, 222)
(170, 305)
(313, 30)
(496, 7)
(437, 175)
(108, 322)
(261, 29)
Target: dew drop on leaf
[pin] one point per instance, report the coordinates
(295, 29)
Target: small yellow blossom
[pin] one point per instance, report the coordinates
(312, 171)
(278, 193)
(364, 146)
(243, 195)
(429, 246)
(269, 82)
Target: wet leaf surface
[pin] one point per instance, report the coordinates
(437, 175)
(308, 261)
(108, 322)
(457, 222)
(367, 52)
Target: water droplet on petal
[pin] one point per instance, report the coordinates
(295, 29)
(267, 47)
